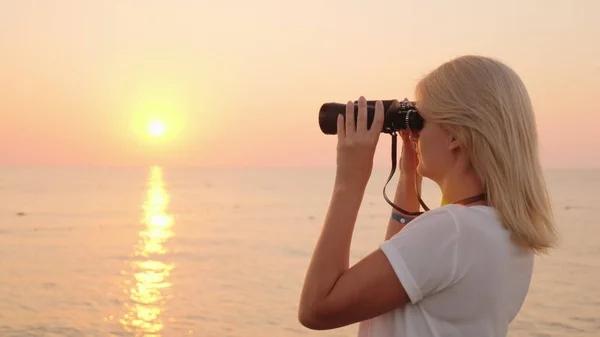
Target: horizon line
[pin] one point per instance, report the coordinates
(144, 166)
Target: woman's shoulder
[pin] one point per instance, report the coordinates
(461, 219)
(474, 217)
(480, 228)
(458, 214)
(453, 221)
(460, 211)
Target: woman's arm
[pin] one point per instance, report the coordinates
(416, 263)
(334, 294)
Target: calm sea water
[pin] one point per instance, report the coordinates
(207, 252)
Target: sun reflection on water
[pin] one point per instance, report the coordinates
(144, 313)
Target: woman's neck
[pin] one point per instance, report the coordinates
(460, 186)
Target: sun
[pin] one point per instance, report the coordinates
(156, 128)
(157, 121)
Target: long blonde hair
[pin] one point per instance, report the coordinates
(485, 105)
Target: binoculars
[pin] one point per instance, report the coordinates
(398, 115)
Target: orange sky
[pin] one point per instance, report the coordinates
(240, 82)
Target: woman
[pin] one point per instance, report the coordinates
(462, 269)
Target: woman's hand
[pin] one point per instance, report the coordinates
(408, 159)
(356, 145)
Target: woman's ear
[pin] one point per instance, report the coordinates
(453, 143)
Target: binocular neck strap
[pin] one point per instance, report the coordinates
(394, 161)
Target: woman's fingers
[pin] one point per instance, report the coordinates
(361, 123)
(350, 127)
(377, 124)
(341, 128)
(358, 125)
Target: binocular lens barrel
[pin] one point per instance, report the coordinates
(394, 119)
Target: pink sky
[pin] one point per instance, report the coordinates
(240, 82)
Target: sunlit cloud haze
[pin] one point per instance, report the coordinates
(239, 83)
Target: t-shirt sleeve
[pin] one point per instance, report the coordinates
(423, 254)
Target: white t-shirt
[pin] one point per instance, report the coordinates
(462, 273)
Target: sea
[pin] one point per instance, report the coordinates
(158, 251)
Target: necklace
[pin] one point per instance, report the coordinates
(470, 200)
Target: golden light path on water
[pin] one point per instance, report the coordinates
(144, 313)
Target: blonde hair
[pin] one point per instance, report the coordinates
(485, 105)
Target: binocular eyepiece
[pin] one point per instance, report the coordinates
(398, 115)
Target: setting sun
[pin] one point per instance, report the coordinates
(157, 118)
(156, 129)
